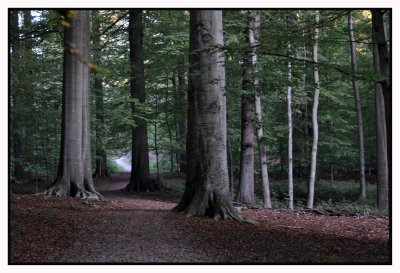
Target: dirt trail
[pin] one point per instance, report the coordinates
(141, 228)
(121, 162)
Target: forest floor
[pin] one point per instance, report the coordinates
(141, 228)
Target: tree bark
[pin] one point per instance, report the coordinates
(379, 28)
(304, 168)
(182, 121)
(74, 172)
(381, 137)
(249, 84)
(207, 185)
(230, 169)
(362, 192)
(156, 141)
(169, 130)
(101, 155)
(253, 41)
(311, 184)
(139, 180)
(290, 133)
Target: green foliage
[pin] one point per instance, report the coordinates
(339, 196)
(36, 91)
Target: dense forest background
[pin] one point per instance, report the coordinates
(286, 39)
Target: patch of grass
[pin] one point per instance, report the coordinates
(338, 196)
(164, 165)
(176, 185)
(28, 187)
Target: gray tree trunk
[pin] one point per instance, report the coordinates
(101, 155)
(169, 130)
(245, 193)
(139, 180)
(254, 22)
(230, 169)
(207, 183)
(182, 120)
(304, 111)
(311, 183)
(156, 143)
(290, 133)
(381, 138)
(74, 173)
(379, 32)
(363, 192)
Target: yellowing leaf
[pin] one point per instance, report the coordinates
(65, 23)
(92, 68)
(72, 14)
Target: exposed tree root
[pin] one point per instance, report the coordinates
(212, 205)
(61, 188)
(145, 185)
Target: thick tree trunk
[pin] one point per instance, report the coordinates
(139, 180)
(207, 186)
(379, 32)
(381, 138)
(245, 192)
(311, 183)
(74, 173)
(290, 133)
(101, 155)
(363, 192)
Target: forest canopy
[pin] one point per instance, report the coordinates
(141, 67)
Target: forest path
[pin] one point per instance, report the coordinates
(121, 162)
(141, 228)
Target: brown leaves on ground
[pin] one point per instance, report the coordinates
(140, 228)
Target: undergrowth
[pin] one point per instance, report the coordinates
(340, 196)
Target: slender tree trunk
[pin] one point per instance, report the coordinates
(74, 172)
(290, 133)
(177, 115)
(262, 157)
(182, 121)
(304, 113)
(254, 22)
(363, 192)
(207, 186)
(156, 143)
(249, 84)
(281, 160)
(167, 123)
(311, 183)
(139, 180)
(381, 138)
(230, 169)
(101, 155)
